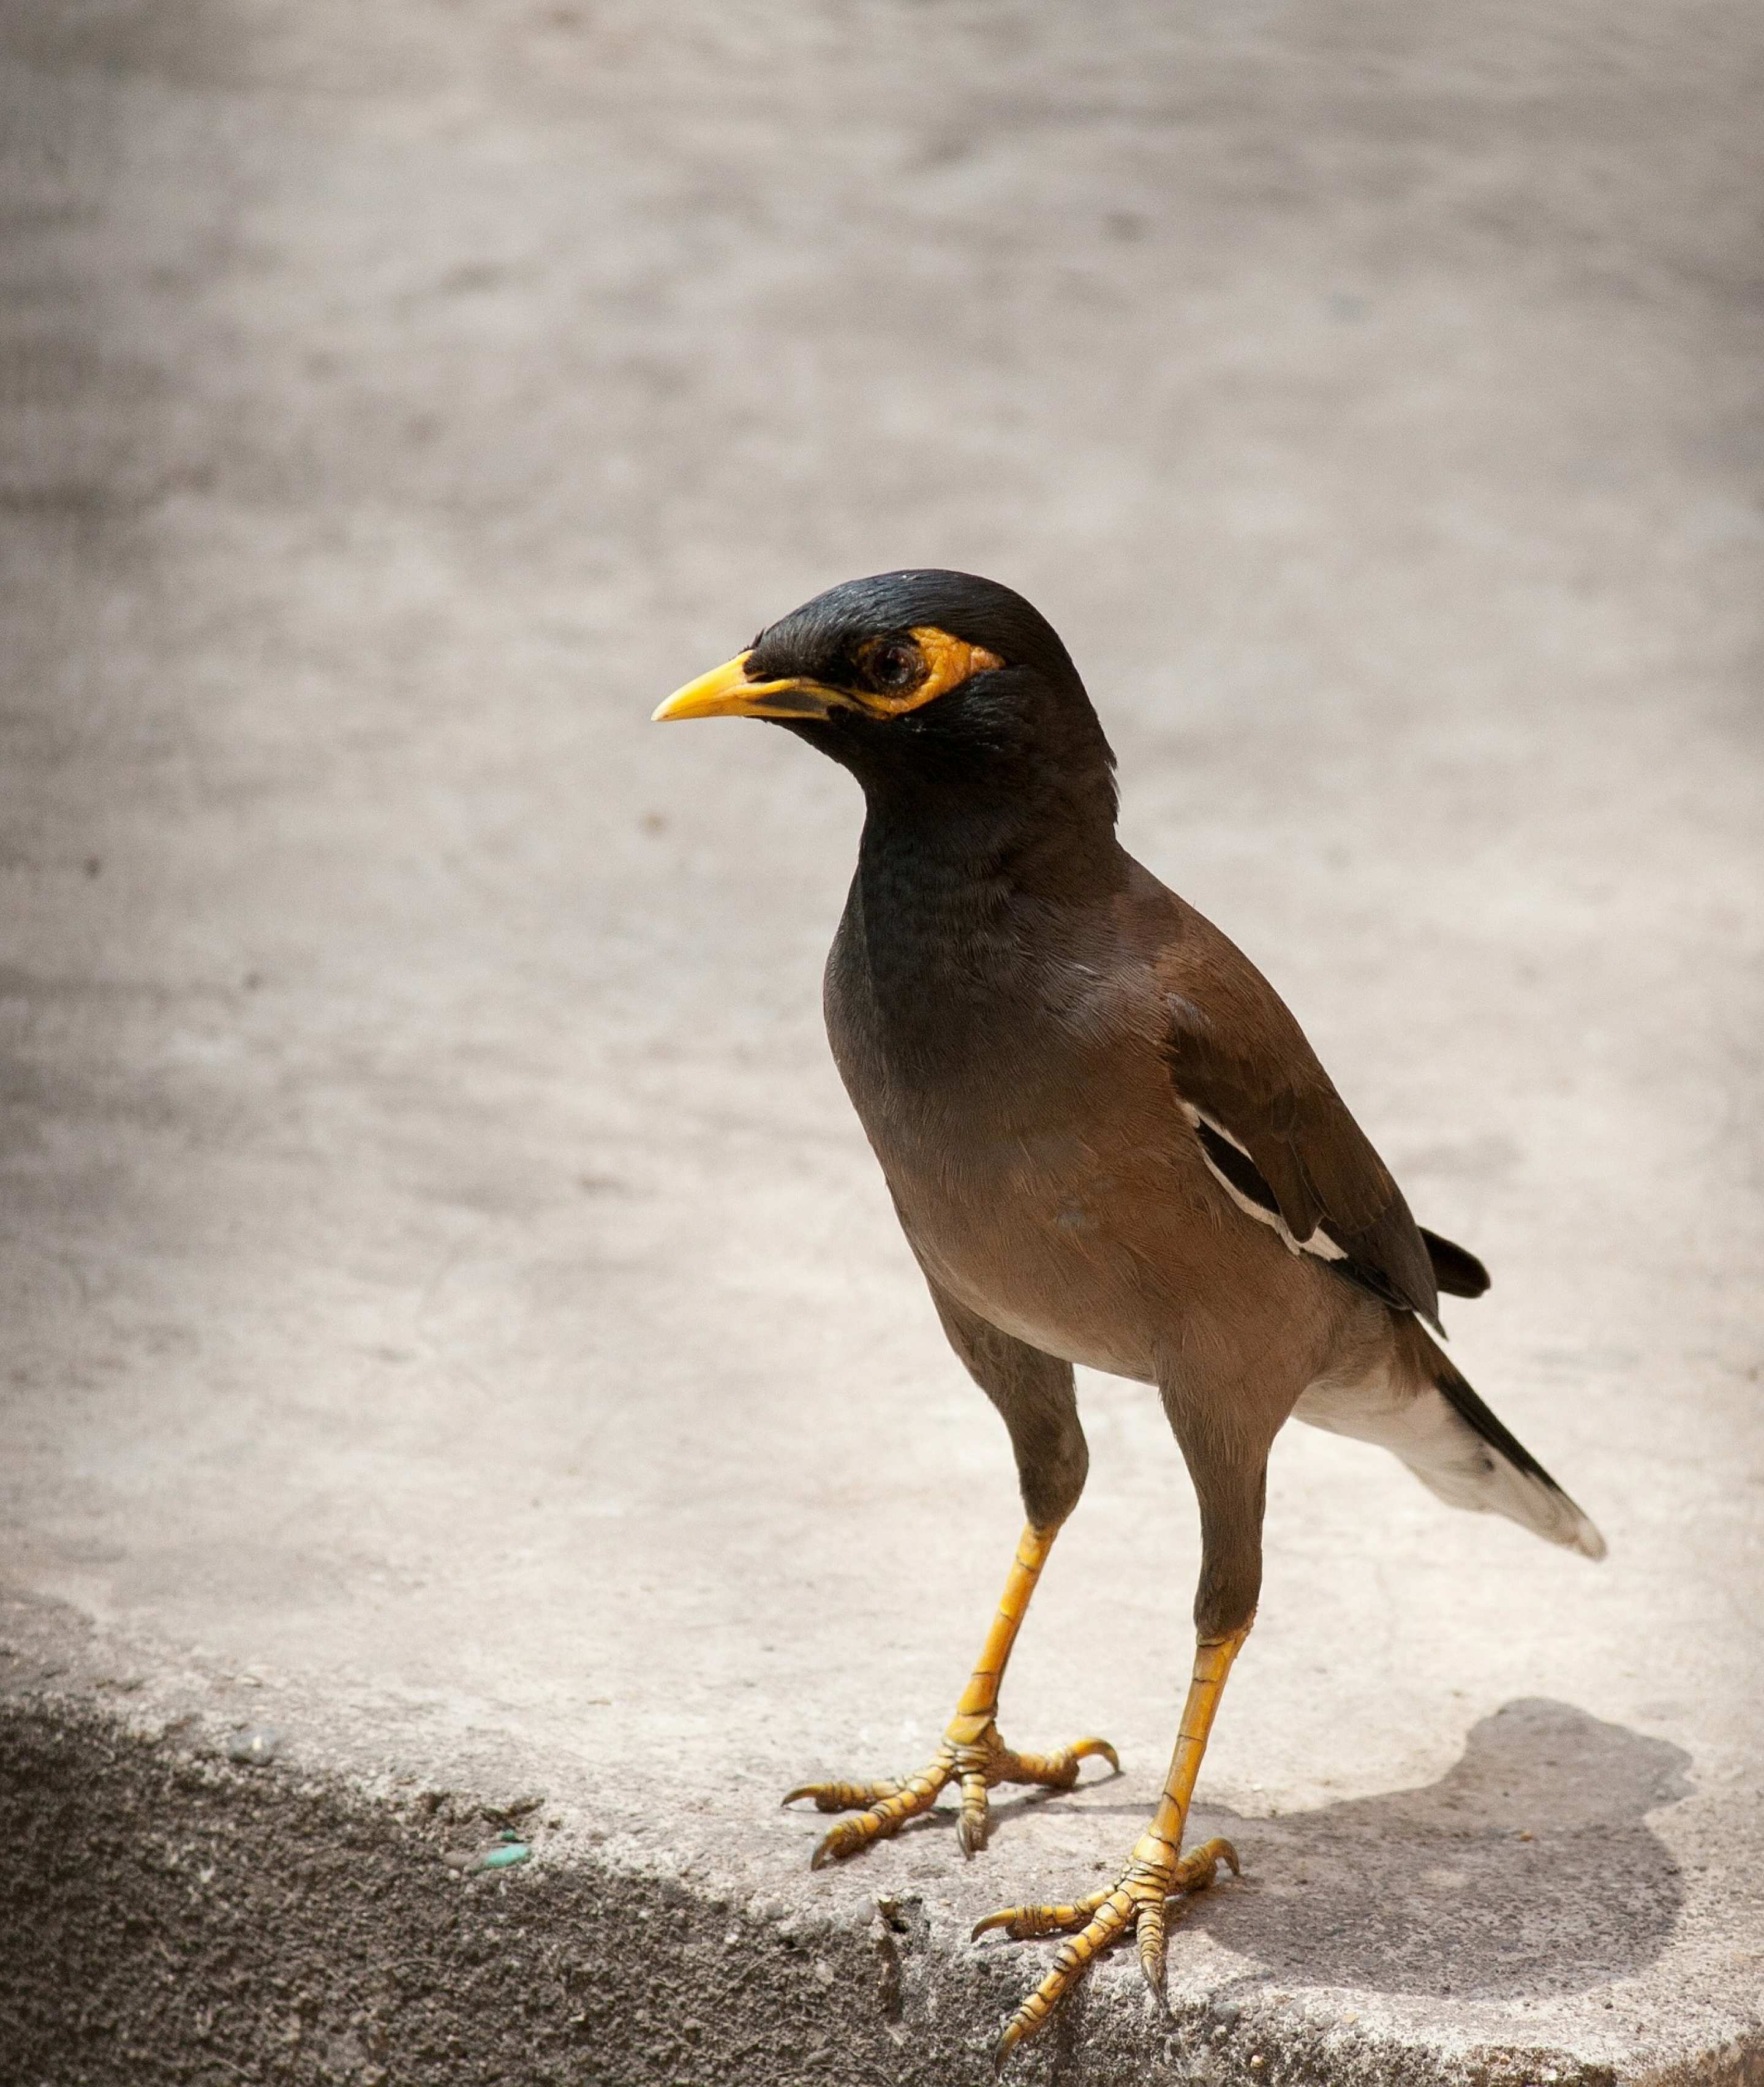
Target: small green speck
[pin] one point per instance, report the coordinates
(505, 1856)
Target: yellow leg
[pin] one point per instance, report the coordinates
(972, 1754)
(1156, 1871)
(980, 1699)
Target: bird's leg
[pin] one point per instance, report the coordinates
(1157, 1871)
(979, 1756)
(972, 1754)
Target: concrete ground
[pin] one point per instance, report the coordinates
(454, 1323)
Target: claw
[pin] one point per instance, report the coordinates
(1152, 1882)
(972, 1753)
(847, 1838)
(1151, 1935)
(844, 1839)
(1054, 1771)
(843, 1796)
(1028, 1923)
(1109, 1922)
(971, 1828)
(886, 1814)
(1195, 1870)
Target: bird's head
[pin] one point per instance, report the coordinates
(926, 679)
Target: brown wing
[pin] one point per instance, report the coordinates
(1237, 1055)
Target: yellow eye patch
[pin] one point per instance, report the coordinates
(946, 663)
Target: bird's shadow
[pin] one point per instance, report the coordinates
(1528, 1868)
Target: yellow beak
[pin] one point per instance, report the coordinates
(726, 692)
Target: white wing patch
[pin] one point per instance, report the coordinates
(1320, 1246)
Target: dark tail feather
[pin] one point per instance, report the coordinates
(1456, 1270)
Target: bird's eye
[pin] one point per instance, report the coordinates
(894, 665)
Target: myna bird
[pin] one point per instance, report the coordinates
(1108, 1143)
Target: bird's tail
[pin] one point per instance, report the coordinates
(1459, 1450)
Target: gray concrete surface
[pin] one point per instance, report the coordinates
(452, 1318)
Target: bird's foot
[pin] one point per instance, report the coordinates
(971, 1755)
(1154, 1874)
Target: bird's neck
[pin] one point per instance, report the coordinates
(959, 912)
(958, 864)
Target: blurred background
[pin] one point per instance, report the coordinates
(440, 1262)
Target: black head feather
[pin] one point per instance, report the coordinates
(823, 638)
(1021, 732)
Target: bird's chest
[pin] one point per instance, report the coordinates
(1027, 1170)
(1050, 1233)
